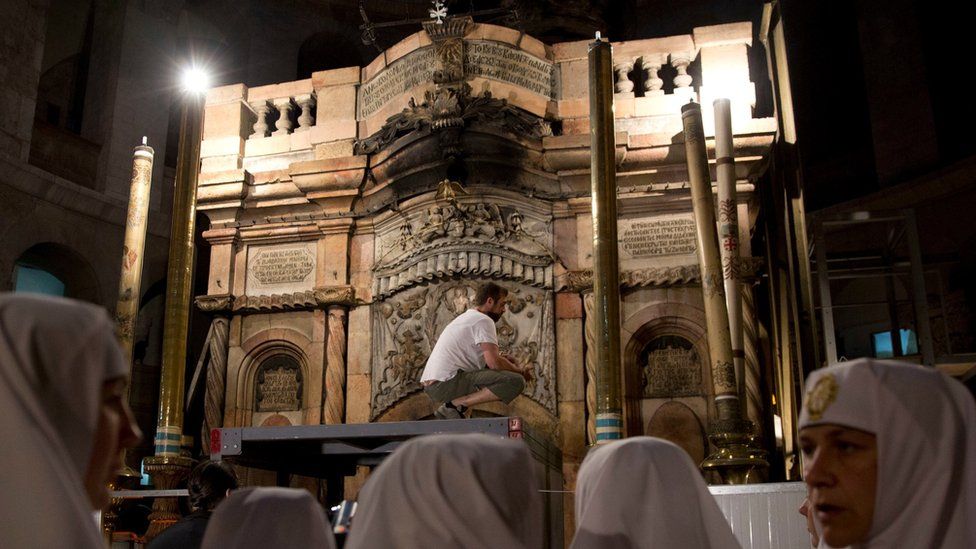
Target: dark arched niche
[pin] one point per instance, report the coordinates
(278, 385)
(66, 265)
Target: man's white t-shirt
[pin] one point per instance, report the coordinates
(459, 346)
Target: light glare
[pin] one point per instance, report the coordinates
(195, 80)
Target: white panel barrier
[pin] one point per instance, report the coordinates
(764, 516)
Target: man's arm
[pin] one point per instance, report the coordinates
(496, 361)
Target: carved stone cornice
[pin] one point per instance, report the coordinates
(316, 298)
(453, 108)
(333, 184)
(335, 295)
(275, 302)
(223, 235)
(215, 303)
(462, 257)
(582, 280)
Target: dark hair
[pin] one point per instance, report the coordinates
(489, 290)
(208, 484)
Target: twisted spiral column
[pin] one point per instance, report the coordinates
(589, 328)
(213, 404)
(753, 371)
(334, 394)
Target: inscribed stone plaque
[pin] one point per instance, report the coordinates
(280, 269)
(279, 385)
(653, 237)
(413, 69)
(486, 59)
(671, 368)
(506, 63)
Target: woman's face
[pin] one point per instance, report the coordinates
(840, 467)
(116, 430)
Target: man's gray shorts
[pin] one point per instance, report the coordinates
(504, 384)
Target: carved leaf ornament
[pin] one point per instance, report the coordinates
(454, 107)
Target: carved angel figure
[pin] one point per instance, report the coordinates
(448, 190)
(407, 307)
(459, 303)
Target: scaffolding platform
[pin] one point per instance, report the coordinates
(332, 452)
(319, 450)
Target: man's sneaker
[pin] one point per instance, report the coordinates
(449, 412)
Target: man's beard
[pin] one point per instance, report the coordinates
(493, 315)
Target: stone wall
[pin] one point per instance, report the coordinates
(21, 50)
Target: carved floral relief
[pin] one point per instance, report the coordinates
(459, 234)
(407, 325)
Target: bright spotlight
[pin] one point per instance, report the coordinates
(195, 80)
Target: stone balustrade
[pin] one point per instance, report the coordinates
(644, 102)
(267, 129)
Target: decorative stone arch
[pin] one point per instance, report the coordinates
(69, 266)
(260, 348)
(430, 255)
(640, 329)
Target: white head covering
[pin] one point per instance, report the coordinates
(925, 424)
(268, 518)
(55, 356)
(646, 492)
(468, 491)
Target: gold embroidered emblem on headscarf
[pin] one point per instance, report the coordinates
(823, 394)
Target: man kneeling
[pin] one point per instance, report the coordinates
(456, 375)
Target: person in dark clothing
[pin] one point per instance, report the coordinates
(209, 483)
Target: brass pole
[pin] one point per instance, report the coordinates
(606, 278)
(734, 460)
(133, 253)
(179, 279)
(167, 467)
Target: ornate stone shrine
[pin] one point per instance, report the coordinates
(354, 213)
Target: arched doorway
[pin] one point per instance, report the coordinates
(55, 269)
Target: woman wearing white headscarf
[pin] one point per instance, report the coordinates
(472, 491)
(63, 420)
(268, 518)
(888, 454)
(646, 492)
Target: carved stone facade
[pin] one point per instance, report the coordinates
(406, 326)
(458, 235)
(430, 258)
(460, 156)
